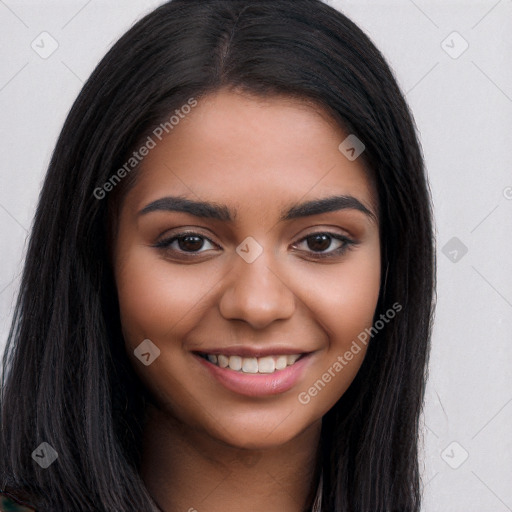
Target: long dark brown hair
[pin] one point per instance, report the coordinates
(66, 377)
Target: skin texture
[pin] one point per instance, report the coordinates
(205, 446)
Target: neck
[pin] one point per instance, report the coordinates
(187, 470)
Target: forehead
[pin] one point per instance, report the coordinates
(252, 153)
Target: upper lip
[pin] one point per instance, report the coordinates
(246, 351)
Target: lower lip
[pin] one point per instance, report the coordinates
(258, 384)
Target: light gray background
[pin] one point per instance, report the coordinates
(463, 109)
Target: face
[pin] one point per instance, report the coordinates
(248, 255)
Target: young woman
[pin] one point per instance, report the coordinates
(228, 293)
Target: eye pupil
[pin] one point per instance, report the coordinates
(190, 243)
(321, 242)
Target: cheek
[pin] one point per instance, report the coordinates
(345, 296)
(355, 296)
(155, 296)
(345, 300)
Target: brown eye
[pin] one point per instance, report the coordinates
(318, 244)
(190, 243)
(184, 243)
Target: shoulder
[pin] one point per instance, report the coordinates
(10, 503)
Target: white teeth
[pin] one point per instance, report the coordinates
(250, 365)
(281, 362)
(267, 364)
(291, 359)
(235, 363)
(223, 361)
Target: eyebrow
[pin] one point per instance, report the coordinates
(222, 212)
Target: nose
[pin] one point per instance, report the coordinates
(256, 294)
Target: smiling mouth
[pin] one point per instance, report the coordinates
(253, 365)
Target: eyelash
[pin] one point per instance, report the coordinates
(347, 245)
